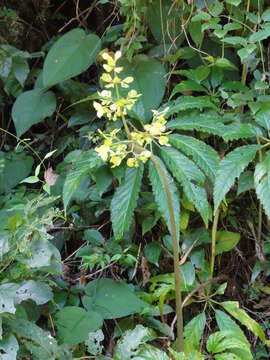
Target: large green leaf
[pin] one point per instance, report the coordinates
(262, 117)
(190, 177)
(203, 155)
(80, 167)
(31, 107)
(183, 103)
(161, 196)
(262, 183)
(230, 168)
(124, 201)
(13, 168)
(260, 35)
(72, 54)
(111, 299)
(74, 323)
(221, 341)
(232, 307)
(7, 297)
(149, 81)
(193, 332)
(37, 291)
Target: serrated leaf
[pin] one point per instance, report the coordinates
(124, 201)
(262, 183)
(187, 85)
(81, 166)
(262, 117)
(161, 197)
(202, 154)
(193, 332)
(190, 102)
(232, 165)
(245, 182)
(190, 177)
(31, 107)
(72, 54)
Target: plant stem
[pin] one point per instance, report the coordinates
(177, 280)
(259, 231)
(122, 115)
(214, 238)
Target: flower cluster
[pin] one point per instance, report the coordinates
(136, 148)
(112, 105)
(115, 151)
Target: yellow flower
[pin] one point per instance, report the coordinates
(125, 82)
(106, 78)
(163, 140)
(103, 151)
(99, 109)
(108, 68)
(132, 162)
(145, 155)
(118, 69)
(115, 161)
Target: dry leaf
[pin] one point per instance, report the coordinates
(50, 176)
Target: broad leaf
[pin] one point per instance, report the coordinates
(193, 332)
(232, 307)
(190, 177)
(149, 80)
(31, 107)
(190, 102)
(262, 117)
(245, 182)
(160, 194)
(260, 35)
(203, 155)
(148, 352)
(221, 341)
(262, 183)
(232, 165)
(81, 166)
(74, 323)
(124, 201)
(226, 241)
(72, 54)
(111, 299)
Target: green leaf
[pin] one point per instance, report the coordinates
(148, 352)
(232, 307)
(190, 102)
(128, 346)
(74, 324)
(221, 341)
(262, 182)
(152, 252)
(262, 117)
(226, 323)
(187, 271)
(93, 237)
(232, 165)
(234, 2)
(193, 332)
(226, 241)
(203, 155)
(81, 166)
(161, 197)
(187, 85)
(266, 15)
(190, 177)
(32, 107)
(41, 343)
(235, 40)
(195, 31)
(9, 348)
(71, 55)
(4, 244)
(260, 34)
(149, 80)
(111, 299)
(14, 167)
(245, 182)
(225, 64)
(124, 201)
